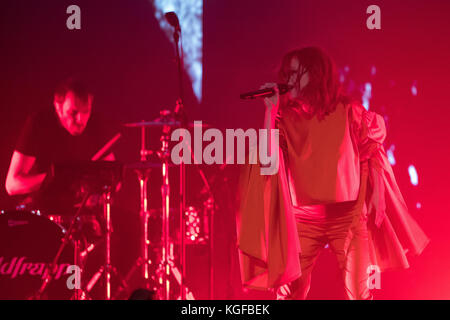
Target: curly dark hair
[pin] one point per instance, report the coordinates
(323, 91)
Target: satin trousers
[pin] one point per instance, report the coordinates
(344, 229)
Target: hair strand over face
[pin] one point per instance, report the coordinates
(323, 91)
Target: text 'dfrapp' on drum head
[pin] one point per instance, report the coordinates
(28, 243)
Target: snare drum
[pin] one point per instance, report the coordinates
(28, 243)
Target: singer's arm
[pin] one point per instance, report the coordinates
(272, 105)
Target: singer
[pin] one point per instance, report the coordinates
(334, 186)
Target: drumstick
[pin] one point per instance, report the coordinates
(100, 153)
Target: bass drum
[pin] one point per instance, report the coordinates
(28, 243)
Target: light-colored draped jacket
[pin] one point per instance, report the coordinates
(323, 159)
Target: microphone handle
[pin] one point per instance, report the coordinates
(258, 94)
(262, 93)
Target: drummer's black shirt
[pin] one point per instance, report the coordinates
(44, 138)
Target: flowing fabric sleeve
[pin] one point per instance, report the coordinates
(393, 231)
(268, 243)
(372, 133)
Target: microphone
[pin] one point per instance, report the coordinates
(263, 93)
(172, 19)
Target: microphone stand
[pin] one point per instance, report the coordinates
(180, 113)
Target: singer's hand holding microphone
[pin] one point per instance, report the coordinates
(272, 102)
(270, 92)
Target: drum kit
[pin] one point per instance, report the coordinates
(40, 249)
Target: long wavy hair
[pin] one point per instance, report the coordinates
(323, 91)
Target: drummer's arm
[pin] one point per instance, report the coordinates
(19, 180)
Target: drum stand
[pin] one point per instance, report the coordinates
(107, 269)
(166, 265)
(78, 294)
(143, 262)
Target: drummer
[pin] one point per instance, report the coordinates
(67, 131)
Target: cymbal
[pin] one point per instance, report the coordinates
(155, 123)
(162, 123)
(145, 165)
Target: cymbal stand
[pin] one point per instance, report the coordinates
(107, 215)
(188, 295)
(144, 213)
(208, 215)
(107, 269)
(142, 263)
(166, 262)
